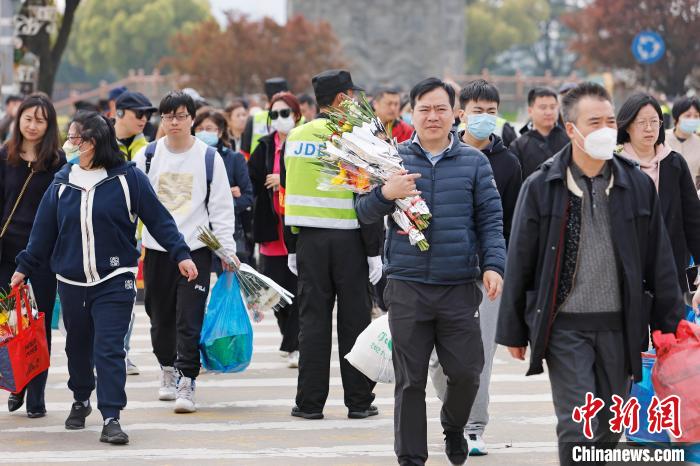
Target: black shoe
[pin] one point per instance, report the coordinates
(371, 411)
(296, 412)
(78, 413)
(456, 447)
(15, 400)
(112, 433)
(36, 414)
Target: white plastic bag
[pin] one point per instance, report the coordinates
(371, 353)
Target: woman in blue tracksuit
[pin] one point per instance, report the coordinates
(86, 228)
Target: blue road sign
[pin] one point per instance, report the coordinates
(648, 47)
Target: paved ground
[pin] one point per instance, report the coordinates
(243, 419)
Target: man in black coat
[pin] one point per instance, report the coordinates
(589, 270)
(542, 137)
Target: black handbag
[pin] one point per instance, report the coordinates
(14, 208)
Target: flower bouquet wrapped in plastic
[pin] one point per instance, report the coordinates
(261, 293)
(360, 155)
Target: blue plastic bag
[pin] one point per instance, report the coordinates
(644, 391)
(226, 343)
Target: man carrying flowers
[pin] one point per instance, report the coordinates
(432, 296)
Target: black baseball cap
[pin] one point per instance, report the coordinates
(275, 85)
(332, 82)
(134, 101)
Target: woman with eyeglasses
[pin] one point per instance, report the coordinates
(28, 163)
(211, 127)
(640, 131)
(268, 223)
(85, 229)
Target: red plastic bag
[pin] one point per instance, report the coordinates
(26, 354)
(677, 372)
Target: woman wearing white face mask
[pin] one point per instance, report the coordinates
(640, 130)
(211, 127)
(684, 138)
(268, 224)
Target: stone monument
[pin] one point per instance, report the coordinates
(397, 42)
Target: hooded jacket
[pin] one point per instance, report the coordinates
(89, 235)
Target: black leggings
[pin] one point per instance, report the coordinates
(276, 268)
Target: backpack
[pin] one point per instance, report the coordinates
(208, 163)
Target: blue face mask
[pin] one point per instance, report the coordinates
(209, 138)
(407, 117)
(689, 125)
(481, 125)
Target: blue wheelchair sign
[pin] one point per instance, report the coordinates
(648, 47)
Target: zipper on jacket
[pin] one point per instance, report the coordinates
(432, 204)
(87, 235)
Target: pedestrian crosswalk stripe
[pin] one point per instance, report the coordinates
(212, 382)
(289, 402)
(340, 451)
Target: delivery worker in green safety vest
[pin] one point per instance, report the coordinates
(333, 255)
(133, 112)
(258, 124)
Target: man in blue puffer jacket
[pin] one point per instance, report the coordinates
(432, 296)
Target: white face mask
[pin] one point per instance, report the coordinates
(284, 125)
(599, 144)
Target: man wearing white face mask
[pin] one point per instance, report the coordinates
(590, 270)
(478, 102)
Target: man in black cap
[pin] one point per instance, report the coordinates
(133, 110)
(256, 127)
(337, 257)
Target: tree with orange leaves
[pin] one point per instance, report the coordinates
(606, 29)
(237, 59)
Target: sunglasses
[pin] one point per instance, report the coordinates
(143, 113)
(274, 114)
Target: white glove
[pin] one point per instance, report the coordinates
(292, 263)
(375, 269)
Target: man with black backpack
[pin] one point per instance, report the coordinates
(190, 180)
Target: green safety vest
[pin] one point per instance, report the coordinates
(136, 145)
(304, 204)
(260, 129)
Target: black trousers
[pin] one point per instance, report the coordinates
(422, 317)
(276, 268)
(176, 309)
(44, 286)
(331, 263)
(578, 362)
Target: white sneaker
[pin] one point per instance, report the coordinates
(293, 360)
(284, 354)
(168, 383)
(131, 368)
(185, 395)
(476, 445)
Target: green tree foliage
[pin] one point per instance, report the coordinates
(496, 26)
(114, 36)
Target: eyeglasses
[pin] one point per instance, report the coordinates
(178, 117)
(643, 124)
(74, 138)
(284, 113)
